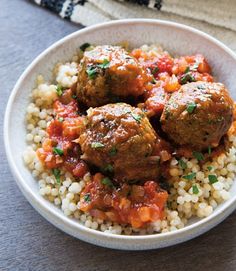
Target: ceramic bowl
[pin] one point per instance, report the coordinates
(177, 39)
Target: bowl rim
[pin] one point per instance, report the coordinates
(58, 218)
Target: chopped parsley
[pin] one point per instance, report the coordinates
(58, 151)
(182, 164)
(136, 117)
(209, 168)
(60, 119)
(105, 64)
(191, 107)
(154, 70)
(107, 181)
(212, 179)
(198, 155)
(113, 151)
(74, 96)
(84, 46)
(187, 77)
(187, 70)
(190, 176)
(108, 168)
(97, 145)
(195, 189)
(209, 150)
(59, 90)
(57, 174)
(153, 81)
(92, 72)
(87, 197)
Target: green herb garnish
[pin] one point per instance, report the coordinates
(136, 117)
(209, 168)
(182, 164)
(153, 81)
(187, 77)
(195, 189)
(84, 46)
(60, 119)
(57, 174)
(187, 70)
(212, 179)
(108, 168)
(105, 64)
(113, 151)
(154, 70)
(106, 181)
(59, 90)
(209, 150)
(87, 197)
(97, 145)
(74, 96)
(191, 107)
(57, 151)
(198, 155)
(92, 72)
(190, 176)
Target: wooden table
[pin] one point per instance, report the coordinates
(27, 240)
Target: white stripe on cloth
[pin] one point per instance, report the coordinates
(217, 12)
(65, 5)
(88, 15)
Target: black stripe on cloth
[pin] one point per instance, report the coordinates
(57, 5)
(53, 5)
(157, 3)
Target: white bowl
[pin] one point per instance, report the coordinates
(176, 38)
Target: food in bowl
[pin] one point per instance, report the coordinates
(132, 141)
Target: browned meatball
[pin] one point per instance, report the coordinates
(119, 138)
(108, 74)
(198, 115)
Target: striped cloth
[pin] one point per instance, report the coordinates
(216, 17)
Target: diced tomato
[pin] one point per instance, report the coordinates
(73, 127)
(163, 63)
(48, 158)
(144, 214)
(156, 101)
(172, 84)
(76, 166)
(69, 110)
(55, 129)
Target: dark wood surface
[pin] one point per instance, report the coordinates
(28, 241)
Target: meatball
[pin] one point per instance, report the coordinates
(108, 74)
(120, 138)
(198, 115)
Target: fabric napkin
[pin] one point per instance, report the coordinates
(216, 17)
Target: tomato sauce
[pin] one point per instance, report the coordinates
(60, 149)
(128, 204)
